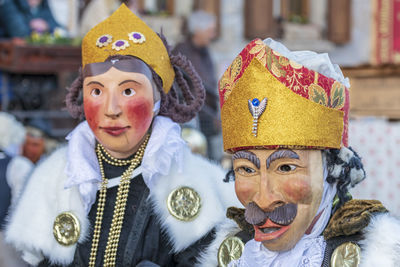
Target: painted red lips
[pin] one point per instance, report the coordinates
(269, 231)
(115, 131)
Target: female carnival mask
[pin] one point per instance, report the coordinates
(119, 105)
(120, 56)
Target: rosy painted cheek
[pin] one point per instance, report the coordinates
(244, 191)
(92, 109)
(298, 190)
(140, 114)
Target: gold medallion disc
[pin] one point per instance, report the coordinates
(346, 255)
(230, 249)
(66, 229)
(184, 203)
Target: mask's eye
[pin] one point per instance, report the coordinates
(287, 168)
(96, 92)
(129, 92)
(245, 170)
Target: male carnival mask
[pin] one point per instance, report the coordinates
(281, 190)
(277, 116)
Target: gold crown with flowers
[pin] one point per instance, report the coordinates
(123, 33)
(269, 101)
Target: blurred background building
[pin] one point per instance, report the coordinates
(362, 36)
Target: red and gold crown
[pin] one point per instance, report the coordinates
(270, 101)
(123, 33)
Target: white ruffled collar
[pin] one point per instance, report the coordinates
(164, 148)
(255, 254)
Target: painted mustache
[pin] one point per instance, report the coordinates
(283, 215)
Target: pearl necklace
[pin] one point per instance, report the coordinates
(120, 203)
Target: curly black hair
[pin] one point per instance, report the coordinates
(345, 169)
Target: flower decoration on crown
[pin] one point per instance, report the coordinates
(104, 40)
(136, 37)
(120, 45)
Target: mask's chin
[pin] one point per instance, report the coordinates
(120, 146)
(284, 238)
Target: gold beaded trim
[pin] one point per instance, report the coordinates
(120, 203)
(110, 159)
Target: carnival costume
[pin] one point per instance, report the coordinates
(273, 99)
(157, 207)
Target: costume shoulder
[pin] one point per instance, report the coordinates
(381, 243)
(363, 231)
(352, 217)
(191, 201)
(30, 228)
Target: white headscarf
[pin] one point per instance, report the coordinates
(309, 59)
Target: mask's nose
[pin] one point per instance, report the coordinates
(113, 109)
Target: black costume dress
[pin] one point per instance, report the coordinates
(142, 238)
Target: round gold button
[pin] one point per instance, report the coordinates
(230, 249)
(66, 229)
(184, 203)
(346, 255)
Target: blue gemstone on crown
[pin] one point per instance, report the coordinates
(255, 102)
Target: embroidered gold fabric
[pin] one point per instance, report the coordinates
(230, 249)
(184, 203)
(288, 120)
(120, 25)
(346, 255)
(66, 229)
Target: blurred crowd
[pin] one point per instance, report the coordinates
(22, 19)
(20, 149)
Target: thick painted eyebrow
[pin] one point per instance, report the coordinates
(280, 154)
(94, 82)
(250, 156)
(128, 81)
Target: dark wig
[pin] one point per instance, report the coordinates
(344, 168)
(180, 104)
